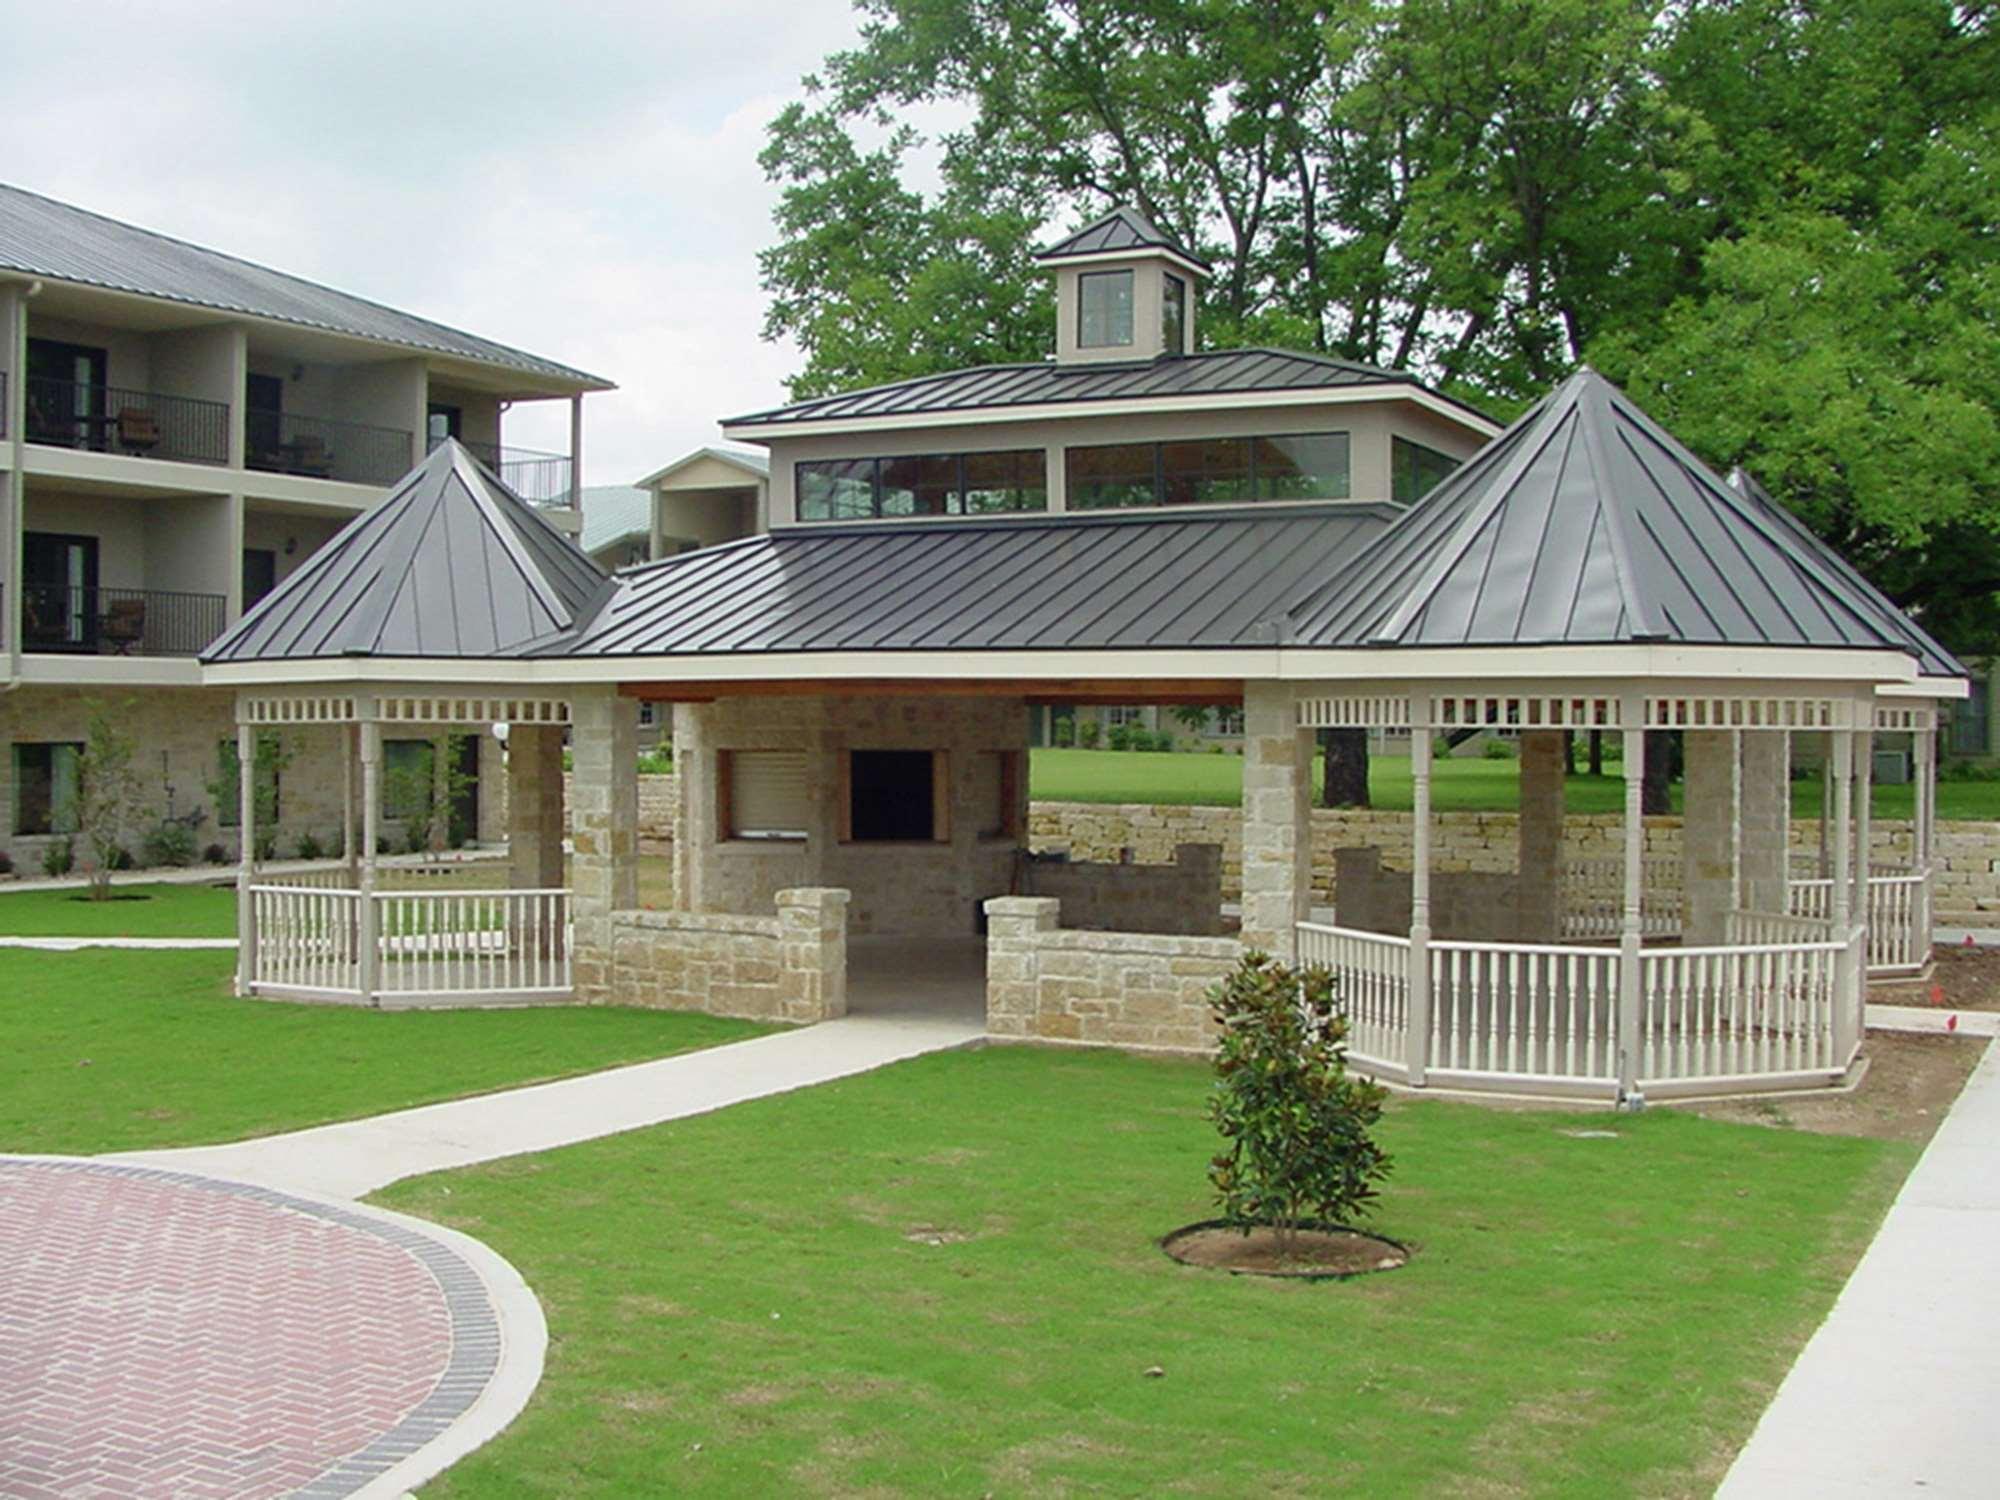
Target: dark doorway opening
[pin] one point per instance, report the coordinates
(892, 796)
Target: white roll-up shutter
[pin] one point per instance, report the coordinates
(767, 794)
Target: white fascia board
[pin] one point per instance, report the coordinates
(1555, 665)
(1927, 687)
(1063, 262)
(1127, 406)
(741, 461)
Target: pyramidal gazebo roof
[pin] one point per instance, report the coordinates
(1587, 523)
(1124, 228)
(452, 564)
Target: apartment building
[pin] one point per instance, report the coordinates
(180, 430)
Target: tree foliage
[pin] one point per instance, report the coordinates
(111, 801)
(1773, 221)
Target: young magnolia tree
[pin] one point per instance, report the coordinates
(1295, 1124)
(111, 803)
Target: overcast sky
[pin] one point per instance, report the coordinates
(576, 179)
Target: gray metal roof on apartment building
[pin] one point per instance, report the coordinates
(1584, 523)
(613, 512)
(1215, 579)
(41, 237)
(991, 387)
(1124, 228)
(452, 564)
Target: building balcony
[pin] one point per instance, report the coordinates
(111, 419)
(90, 621)
(323, 448)
(541, 479)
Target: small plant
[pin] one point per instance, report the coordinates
(1295, 1124)
(266, 845)
(169, 842)
(1120, 737)
(657, 762)
(109, 798)
(1062, 733)
(310, 847)
(59, 856)
(215, 854)
(120, 858)
(1495, 749)
(1087, 734)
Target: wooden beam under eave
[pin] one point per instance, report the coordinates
(1216, 692)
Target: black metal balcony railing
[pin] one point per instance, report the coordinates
(108, 419)
(119, 622)
(322, 448)
(541, 479)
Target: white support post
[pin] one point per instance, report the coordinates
(1826, 807)
(246, 858)
(1736, 820)
(1864, 781)
(576, 454)
(1629, 976)
(347, 752)
(1847, 990)
(370, 969)
(1418, 1041)
(1924, 744)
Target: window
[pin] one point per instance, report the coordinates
(227, 790)
(938, 484)
(1414, 470)
(1208, 471)
(46, 777)
(1304, 466)
(1227, 723)
(1173, 315)
(1125, 714)
(895, 796)
(995, 792)
(1104, 309)
(1969, 719)
(763, 794)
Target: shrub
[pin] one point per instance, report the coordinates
(1062, 733)
(1497, 750)
(266, 846)
(1296, 1125)
(59, 856)
(657, 762)
(120, 858)
(310, 847)
(1086, 734)
(169, 842)
(1119, 737)
(215, 854)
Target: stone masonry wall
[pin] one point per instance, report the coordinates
(1182, 897)
(1108, 989)
(789, 967)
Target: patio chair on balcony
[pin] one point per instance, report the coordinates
(309, 456)
(124, 625)
(138, 429)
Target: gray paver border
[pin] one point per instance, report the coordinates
(498, 1335)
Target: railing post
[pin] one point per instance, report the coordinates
(368, 972)
(1633, 713)
(1417, 1042)
(246, 860)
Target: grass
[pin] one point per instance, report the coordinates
(150, 909)
(1460, 784)
(110, 1051)
(750, 1302)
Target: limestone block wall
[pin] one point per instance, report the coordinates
(1107, 989)
(1469, 905)
(1183, 897)
(179, 732)
(788, 967)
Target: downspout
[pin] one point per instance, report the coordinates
(17, 500)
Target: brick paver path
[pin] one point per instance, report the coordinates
(168, 1335)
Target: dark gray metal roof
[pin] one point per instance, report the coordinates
(452, 564)
(1584, 523)
(988, 387)
(1212, 579)
(1124, 228)
(41, 237)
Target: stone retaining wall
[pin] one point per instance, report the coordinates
(1107, 989)
(1182, 897)
(788, 967)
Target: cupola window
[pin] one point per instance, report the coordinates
(1173, 315)
(1104, 309)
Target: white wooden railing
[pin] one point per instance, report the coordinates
(1594, 897)
(1524, 1010)
(1898, 914)
(308, 941)
(1741, 1012)
(1757, 928)
(1371, 972)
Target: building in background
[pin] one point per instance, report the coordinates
(180, 431)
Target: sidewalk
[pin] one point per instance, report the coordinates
(352, 1159)
(1896, 1393)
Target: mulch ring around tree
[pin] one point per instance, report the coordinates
(1316, 1252)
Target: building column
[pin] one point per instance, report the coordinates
(604, 829)
(1629, 947)
(1539, 837)
(576, 455)
(1708, 841)
(1277, 835)
(246, 855)
(1766, 820)
(534, 807)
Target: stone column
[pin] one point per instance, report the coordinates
(812, 923)
(604, 829)
(1709, 836)
(1766, 819)
(534, 806)
(1013, 924)
(1277, 837)
(1539, 838)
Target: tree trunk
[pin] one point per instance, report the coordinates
(1662, 760)
(1346, 778)
(1597, 752)
(1569, 752)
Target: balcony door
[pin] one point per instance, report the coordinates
(264, 419)
(59, 592)
(65, 394)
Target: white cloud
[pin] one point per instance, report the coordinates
(578, 180)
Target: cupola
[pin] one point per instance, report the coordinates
(1124, 291)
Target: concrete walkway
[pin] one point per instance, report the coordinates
(1896, 1393)
(355, 1158)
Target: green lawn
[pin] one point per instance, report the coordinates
(109, 1051)
(152, 909)
(1461, 784)
(753, 1301)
